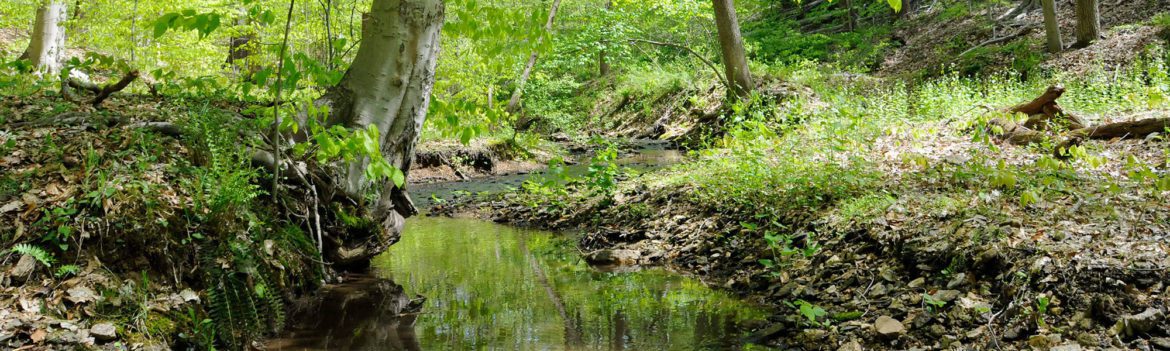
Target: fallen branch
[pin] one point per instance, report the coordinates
(710, 64)
(101, 93)
(1022, 32)
(113, 88)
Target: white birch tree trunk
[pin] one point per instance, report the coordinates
(388, 86)
(46, 48)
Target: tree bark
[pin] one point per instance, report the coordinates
(514, 102)
(602, 62)
(851, 24)
(1052, 28)
(735, 63)
(46, 48)
(1088, 22)
(387, 86)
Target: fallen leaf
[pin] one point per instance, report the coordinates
(38, 336)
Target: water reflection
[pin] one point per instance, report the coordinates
(365, 313)
(497, 287)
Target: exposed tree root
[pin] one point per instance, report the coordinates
(1045, 115)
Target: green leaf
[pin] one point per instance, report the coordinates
(896, 5)
(163, 24)
(398, 177)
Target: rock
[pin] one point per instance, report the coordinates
(1067, 347)
(887, 326)
(23, 268)
(81, 294)
(1160, 343)
(977, 332)
(1040, 342)
(103, 332)
(946, 295)
(1135, 324)
(957, 281)
(852, 345)
(189, 296)
(613, 257)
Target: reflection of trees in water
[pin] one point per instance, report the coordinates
(364, 313)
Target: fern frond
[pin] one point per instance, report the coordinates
(38, 253)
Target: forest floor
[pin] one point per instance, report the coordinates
(123, 227)
(941, 38)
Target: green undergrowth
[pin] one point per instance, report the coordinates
(800, 165)
(162, 213)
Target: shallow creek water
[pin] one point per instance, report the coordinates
(460, 284)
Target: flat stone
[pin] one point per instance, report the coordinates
(888, 326)
(1160, 343)
(1141, 323)
(81, 294)
(947, 295)
(23, 268)
(103, 332)
(1067, 347)
(613, 257)
(851, 346)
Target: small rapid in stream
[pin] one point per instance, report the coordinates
(462, 284)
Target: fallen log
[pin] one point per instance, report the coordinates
(101, 93)
(1045, 115)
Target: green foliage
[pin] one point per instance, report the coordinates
(44, 257)
(811, 313)
(203, 23)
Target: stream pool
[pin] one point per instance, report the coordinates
(466, 284)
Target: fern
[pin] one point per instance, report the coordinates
(38, 253)
(242, 306)
(67, 270)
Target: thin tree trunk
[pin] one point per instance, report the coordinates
(852, 15)
(1088, 22)
(514, 102)
(735, 62)
(388, 86)
(46, 48)
(602, 63)
(1052, 28)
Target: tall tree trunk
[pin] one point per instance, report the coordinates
(852, 15)
(46, 48)
(1051, 26)
(514, 102)
(1088, 22)
(602, 63)
(387, 86)
(735, 62)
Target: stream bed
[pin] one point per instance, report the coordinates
(460, 284)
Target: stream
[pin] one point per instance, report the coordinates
(458, 284)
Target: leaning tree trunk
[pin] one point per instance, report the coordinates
(46, 48)
(1088, 22)
(514, 102)
(387, 86)
(1052, 27)
(731, 42)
